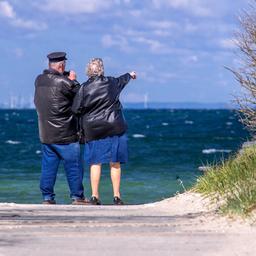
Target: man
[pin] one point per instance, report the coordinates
(54, 93)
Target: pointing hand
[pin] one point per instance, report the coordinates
(133, 74)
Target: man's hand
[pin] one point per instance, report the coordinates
(133, 74)
(72, 75)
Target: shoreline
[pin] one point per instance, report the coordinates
(185, 224)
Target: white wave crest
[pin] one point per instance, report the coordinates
(203, 168)
(165, 124)
(213, 150)
(13, 142)
(138, 136)
(189, 122)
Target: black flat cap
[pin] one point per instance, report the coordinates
(56, 56)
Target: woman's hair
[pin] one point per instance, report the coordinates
(95, 67)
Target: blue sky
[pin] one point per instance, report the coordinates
(178, 47)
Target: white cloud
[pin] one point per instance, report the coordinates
(126, 39)
(228, 43)
(161, 32)
(187, 60)
(154, 45)
(163, 24)
(6, 10)
(29, 24)
(127, 31)
(196, 7)
(76, 6)
(121, 42)
(136, 13)
(157, 76)
(162, 28)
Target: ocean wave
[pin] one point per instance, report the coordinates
(165, 124)
(138, 136)
(214, 150)
(189, 122)
(15, 114)
(203, 168)
(229, 123)
(13, 142)
(38, 152)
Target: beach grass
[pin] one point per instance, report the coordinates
(232, 183)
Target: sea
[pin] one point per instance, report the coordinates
(168, 149)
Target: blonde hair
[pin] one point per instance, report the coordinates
(95, 67)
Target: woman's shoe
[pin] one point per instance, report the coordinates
(117, 201)
(95, 201)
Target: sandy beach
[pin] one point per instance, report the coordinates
(182, 225)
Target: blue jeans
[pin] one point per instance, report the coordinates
(52, 154)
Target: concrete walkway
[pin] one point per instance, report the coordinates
(153, 229)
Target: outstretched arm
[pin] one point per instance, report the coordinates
(123, 80)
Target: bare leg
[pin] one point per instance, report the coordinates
(95, 179)
(115, 170)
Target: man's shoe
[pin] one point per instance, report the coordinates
(95, 201)
(117, 201)
(49, 202)
(80, 202)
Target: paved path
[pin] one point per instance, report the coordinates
(117, 230)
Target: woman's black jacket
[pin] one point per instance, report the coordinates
(98, 106)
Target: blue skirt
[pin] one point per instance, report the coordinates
(111, 149)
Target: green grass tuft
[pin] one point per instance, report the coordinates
(233, 182)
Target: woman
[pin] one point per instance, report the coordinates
(103, 125)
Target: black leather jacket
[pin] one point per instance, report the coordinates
(97, 103)
(54, 94)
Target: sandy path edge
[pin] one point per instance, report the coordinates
(186, 224)
(190, 205)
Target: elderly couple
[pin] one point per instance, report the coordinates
(68, 114)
